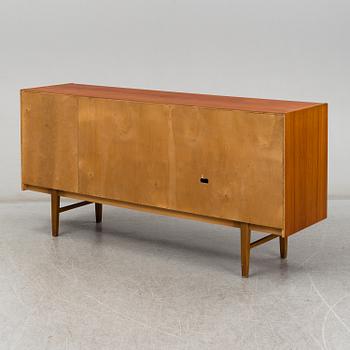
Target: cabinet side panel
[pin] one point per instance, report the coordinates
(49, 126)
(306, 152)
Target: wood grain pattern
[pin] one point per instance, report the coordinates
(123, 151)
(177, 98)
(248, 163)
(266, 169)
(241, 155)
(306, 151)
(49, 126)
(156, 155)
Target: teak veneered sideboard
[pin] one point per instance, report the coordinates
(250, 163)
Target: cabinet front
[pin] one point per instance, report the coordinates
(218, 163)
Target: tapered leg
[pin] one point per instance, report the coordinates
(98, 212)
(55, 214)
(283, 247)
(245, 249)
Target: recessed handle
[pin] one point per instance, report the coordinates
(204, 180)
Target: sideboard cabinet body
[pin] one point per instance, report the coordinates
(261, 162)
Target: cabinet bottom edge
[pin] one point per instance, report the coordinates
(156, 210)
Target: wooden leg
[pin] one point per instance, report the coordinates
(245, 249)
(55, 212)
(98, 212)
(283, 247)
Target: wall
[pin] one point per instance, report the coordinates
(271, 49)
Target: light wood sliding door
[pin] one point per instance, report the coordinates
(229, 164)
(49, 130)
(123, 151)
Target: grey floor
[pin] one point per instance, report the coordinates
(141, 281)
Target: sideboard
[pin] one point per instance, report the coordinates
(255, 164)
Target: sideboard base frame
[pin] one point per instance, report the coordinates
(246, 246)
(245, 228)
(56, 209)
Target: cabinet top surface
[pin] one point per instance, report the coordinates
(177, 98)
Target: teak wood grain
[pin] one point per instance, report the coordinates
(240, 153)
(49, 140)
(306, 149)
(177, 98)
(156, 155)
(249, 163)
(123, 151)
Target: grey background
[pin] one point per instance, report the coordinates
(270, 49)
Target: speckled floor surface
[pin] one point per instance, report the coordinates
(141, 281)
